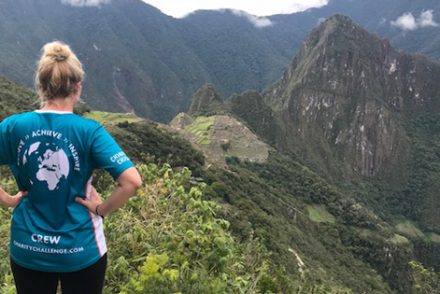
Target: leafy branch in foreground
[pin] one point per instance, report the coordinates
(425, 281)
(169, 240)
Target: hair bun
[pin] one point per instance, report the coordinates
(58, 73)
(57, 50)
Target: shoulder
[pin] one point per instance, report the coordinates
(86, 122)
(89, 128)
(19, 116)
(80, 123)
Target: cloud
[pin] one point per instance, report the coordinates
(257, 21)
(320, 21)
(81, 3)
(408, 22)
(426, 19)
(382, 21)
(304, 5)
(181, 8)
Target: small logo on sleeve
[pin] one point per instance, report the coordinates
(119, 158)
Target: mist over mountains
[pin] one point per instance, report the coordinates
(139, 59)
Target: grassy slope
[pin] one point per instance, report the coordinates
(112, 118)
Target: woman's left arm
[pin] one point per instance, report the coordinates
(10, 201)
(128, 183)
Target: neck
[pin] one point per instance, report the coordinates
(59, 104)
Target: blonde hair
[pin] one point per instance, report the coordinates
(58, 72)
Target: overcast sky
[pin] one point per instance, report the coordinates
(179, 8)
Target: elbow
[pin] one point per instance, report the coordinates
(131, 179)
(137, 183)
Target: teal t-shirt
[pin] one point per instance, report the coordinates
(52, 156)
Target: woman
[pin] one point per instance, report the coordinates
(57, 230)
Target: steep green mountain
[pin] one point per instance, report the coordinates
(364, 116)
(134, 56)
(237, 52)
(206, 101)
(346, 93)
(349, 102)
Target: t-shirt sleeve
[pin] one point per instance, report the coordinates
(107, 154)
(5, 156)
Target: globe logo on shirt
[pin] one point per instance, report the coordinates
(51, 160)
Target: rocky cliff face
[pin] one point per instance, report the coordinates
(343, 98)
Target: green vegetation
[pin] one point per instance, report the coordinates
(112, 118)
(270, 201)
(15, 98)
(146, 142)
(168, 238)
(176, 243)
(6, 279)
(408, 198)
(319, 214)
(425, 281)
(408, 229)
(433, 237)
(398, 240)
(418, 199)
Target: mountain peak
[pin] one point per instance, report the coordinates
(339, 19)
(340, 30)
(207, 101)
